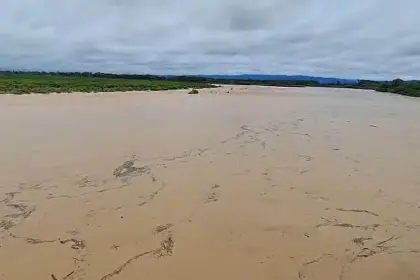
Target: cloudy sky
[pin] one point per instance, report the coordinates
(342, 38)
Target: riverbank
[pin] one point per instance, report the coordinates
(42, 82)
(25, 84)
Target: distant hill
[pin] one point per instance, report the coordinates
(258, 77)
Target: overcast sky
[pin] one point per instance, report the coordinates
(342, 38)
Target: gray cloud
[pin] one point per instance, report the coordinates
(359, 38)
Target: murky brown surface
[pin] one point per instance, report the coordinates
(263, 183)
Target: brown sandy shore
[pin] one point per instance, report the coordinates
(260, 183)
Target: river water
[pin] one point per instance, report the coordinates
(257, 183)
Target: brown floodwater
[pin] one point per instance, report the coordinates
(260, 183)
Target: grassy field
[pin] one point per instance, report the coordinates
(24, 84)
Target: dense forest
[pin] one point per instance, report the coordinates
(44, 82)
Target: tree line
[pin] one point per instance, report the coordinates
(398, 86)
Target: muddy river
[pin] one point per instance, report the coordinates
(257, 183)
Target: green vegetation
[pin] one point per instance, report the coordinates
(409, 88)
(23, 83)
(46, 82)
(398, 86)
